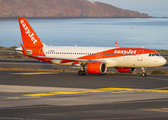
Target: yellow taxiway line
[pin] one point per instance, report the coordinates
(99, 90)
(159, 109)
(35, 73)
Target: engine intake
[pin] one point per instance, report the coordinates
(96, 68)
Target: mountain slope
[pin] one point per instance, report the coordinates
(64, 9)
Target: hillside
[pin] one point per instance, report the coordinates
(64, 9)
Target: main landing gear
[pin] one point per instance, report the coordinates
(143, 72)
(82, 72)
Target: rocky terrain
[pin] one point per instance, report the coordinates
(64, 9)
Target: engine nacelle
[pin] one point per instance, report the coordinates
(125, 70)
(96, 68)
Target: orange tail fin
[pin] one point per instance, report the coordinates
(29, 37)
(31, 41)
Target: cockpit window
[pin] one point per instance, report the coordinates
(157, 54)
(154, 54)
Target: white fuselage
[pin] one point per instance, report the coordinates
(121, 60)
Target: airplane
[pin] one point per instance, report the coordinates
(91, 60)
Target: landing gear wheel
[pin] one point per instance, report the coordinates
(84, 73)
(144, 74)
(80, 73)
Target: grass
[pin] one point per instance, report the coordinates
(162, 51)
(7, 48)
(159, 72)
(43, 70)
(156, 72)
(12, 55)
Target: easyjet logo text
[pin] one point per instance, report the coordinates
(125, 51)
(28, 32)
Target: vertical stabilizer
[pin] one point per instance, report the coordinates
(29, 37)
(31, 41)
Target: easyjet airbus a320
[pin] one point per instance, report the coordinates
(93, 60)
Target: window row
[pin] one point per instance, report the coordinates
(98, 54)
(72, 53)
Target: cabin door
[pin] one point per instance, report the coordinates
(140, 55)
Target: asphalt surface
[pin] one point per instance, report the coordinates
(67, 96)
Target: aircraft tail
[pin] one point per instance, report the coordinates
(31, 41)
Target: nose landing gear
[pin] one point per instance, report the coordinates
(143, 72)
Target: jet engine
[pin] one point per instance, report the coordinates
(96, 68)
(125, 70)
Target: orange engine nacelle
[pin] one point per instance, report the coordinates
(125, 70)
(96, 68)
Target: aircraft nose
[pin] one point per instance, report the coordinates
(162, 61)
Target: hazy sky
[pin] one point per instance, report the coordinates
(146, 6)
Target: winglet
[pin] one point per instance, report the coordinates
(116, 44)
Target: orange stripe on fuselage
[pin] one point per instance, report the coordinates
(112, 53)
(65, 61)
(118, 52)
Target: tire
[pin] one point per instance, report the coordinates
(144, 74)
(80, 73)
(84, 72)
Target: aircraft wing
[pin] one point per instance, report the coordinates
(73, 59)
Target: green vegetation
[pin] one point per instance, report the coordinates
(159, 72)
(8, 48)
(12, 55)
(162, 51)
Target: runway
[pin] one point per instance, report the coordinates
(67, 96)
